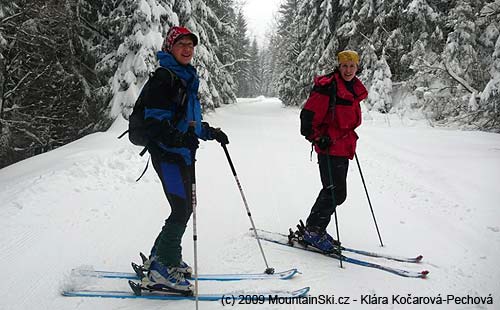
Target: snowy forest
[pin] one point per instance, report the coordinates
(70, 67)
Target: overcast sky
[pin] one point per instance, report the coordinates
(259, 14)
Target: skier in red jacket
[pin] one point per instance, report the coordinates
(328, 120)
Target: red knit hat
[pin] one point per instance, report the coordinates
(174, 34)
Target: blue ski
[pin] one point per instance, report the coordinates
(283, 275)
(396, 271)
(416, 259)
(231, 296)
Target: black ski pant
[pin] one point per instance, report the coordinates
(176, 178)
(326, 203)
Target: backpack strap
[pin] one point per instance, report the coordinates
(147, 165)
(173, 78)
(328, 90)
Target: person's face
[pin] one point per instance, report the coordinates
(348, 70)
(183, 50)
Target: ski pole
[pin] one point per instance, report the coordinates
(268, 269)
(195, 233)
(368, 196)
(332, 188)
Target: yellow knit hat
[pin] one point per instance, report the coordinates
(348, 55)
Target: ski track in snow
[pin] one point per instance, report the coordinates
(433, 193)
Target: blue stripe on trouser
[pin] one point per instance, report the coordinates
(175, 178)
(172, 179)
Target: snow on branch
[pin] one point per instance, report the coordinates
(460, 80)
(11, 91)
(491, 9)
(23, 130)
(233, 63)
(6, 19)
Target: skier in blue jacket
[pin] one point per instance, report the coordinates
(173, 117)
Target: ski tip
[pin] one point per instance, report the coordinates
(419, 258)
(301, 292)
(290, 274)
(424, 273)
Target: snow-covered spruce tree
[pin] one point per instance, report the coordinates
(318, 54)
(440, 51)
(461, 75)
(490, 97)
(391, 37)
(346, 24)
(488, 27)
(488, 117)
(460, 54)
(224, 34)
(50, 54)
(291, 38)
(390, 28)
(356, 29)
(136, 32)
(139, 27)
(265, 72)
(371, 28)
(6, 13)
(224, 46)
(380, 92)
(420, 38)
(368, 63)
(269, 63)
(216, 86)
(255, 81)
(242, 56)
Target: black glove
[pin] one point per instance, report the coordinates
(189, 140)
(172, 137)
(323, 142)
(219, 135)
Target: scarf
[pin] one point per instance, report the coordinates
(190, 76)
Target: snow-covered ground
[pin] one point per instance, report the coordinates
(434, 192)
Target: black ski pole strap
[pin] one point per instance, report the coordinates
(144, 150)
(145, 168)
(124, 133)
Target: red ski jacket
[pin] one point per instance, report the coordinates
(318, 120)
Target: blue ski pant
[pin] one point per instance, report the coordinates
(176, 178)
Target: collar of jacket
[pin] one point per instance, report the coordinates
(187, 73)
(342, 92)
(360, 91)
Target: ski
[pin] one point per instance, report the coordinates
(400, 272)
(283, 275)
(229, 296)
(416, 259)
